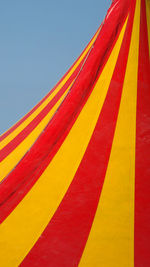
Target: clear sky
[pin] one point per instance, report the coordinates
(39, 40)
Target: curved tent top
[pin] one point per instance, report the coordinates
(74, 173)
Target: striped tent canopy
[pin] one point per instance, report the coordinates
(75, 171)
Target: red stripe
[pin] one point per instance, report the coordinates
(3, 136)
(142, 178)
(63, 241)
(19, 182)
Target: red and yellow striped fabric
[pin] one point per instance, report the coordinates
(75, 171)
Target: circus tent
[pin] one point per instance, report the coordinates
(75, 171)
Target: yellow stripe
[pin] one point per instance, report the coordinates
(41, 107)
(16, 155)
(20, 231)
(148, 21)
(111, 240)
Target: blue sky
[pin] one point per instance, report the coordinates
(39, 40)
